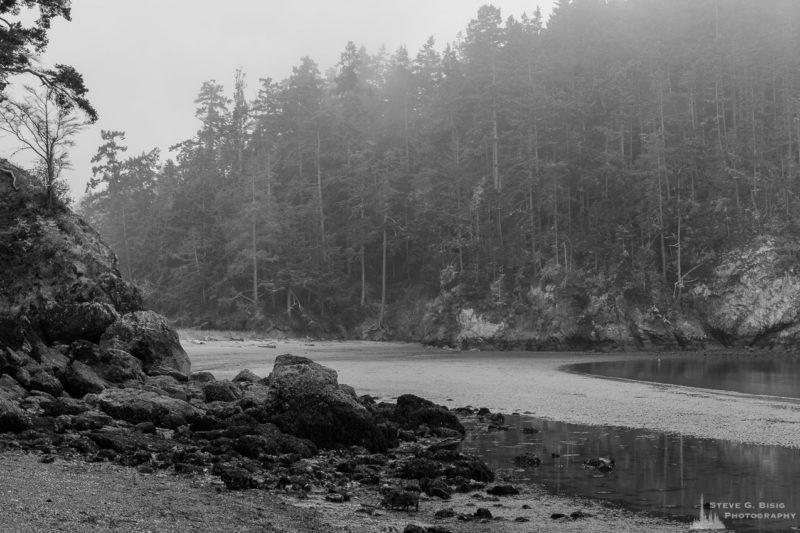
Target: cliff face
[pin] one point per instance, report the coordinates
(750, 297)
(753, 298)
(63, 303)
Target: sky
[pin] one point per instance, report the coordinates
(144, 61)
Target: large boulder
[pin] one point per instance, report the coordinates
(305, 400)
(70, 322)
(135, 405)
(413, 411)
(12, 417)
(147, 336)
(111, 364)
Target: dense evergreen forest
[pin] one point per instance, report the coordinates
(618, 148)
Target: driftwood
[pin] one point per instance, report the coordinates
(13, 176)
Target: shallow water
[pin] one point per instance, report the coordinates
(774, 375)
(654, 472)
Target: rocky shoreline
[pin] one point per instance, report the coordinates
(297, 436)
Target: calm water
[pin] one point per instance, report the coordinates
(775, 375)
(656, 473)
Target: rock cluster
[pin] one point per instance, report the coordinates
(296, 430)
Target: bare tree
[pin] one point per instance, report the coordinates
(43, 127)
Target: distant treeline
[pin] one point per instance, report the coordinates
(626, 141)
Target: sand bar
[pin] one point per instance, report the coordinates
(524, 382)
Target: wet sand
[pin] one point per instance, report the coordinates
(524, 382)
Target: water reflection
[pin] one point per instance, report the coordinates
(749, 373)
(654, 472)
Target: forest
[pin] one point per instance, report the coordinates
(620, 146)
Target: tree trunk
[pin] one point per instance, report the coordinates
(383, 274)
(321, 209)
(255, 249)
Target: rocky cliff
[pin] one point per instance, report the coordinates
(748, 296)
(68, 321)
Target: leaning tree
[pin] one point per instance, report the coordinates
(21, 42)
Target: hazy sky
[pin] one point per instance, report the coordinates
(145, 60)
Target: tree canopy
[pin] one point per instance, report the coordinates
(621, 146)
(20, 44)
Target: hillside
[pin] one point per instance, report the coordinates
(606, 178)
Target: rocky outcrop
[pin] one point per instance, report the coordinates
(305, 399)
(204, 426)
(753, 295)
(748, 296)
(69, 323)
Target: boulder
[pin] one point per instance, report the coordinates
(111, 364)
(125, 441)
(134, 405)
(11, 359)
(162, 370)
(221, 391)
(10, 389)
(413, 411)
(166, 386)
(238, 479)
(305, 400)
(79, 379)
(254, 395)
(91, 420)
(63, 406)
(12, 417)
(70, 322)
(503, 490)
(45, 381)
(482, 512)
(202, 377)
(472, 467)
(14, 332)
(49, 358)
(147, 336)
(22, 376)
(246, 375)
